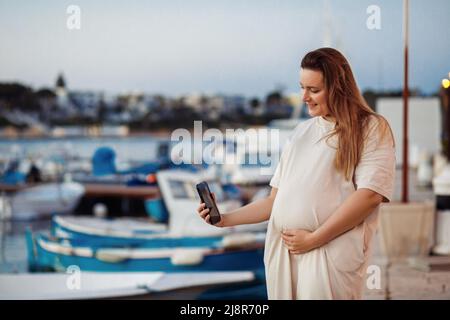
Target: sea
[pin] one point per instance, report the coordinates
(139, 148)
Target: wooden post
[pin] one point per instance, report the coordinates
(405, 102)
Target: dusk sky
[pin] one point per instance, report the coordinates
(231, 47)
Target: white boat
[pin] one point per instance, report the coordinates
(180, 196)
(104, 285)
(122, 228)
(45, 200)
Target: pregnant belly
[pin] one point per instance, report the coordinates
(306, 211)
(294, 214)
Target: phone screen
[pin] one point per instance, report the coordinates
(206, 197)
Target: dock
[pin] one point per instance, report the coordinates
(418, 278)
(101, 190)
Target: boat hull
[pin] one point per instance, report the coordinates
(45, 254)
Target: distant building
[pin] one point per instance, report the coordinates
(62, 97)
(194, 101)
(60, 85)
(277, 106)
(87, 103)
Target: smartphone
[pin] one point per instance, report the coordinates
(206, 197)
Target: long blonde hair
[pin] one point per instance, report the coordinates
(346, 105)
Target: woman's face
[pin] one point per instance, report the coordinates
(313, 92)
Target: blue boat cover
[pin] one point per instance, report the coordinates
(103, 161)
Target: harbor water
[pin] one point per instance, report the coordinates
(13, 258)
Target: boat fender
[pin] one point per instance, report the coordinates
(187, 257)
(238, 240)
(106, 256)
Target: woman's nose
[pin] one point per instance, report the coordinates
(305, 96)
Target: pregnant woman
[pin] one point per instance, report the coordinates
(334, 172)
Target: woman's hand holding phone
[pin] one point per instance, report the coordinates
(204, 213)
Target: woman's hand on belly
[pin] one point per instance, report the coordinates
(298, 241)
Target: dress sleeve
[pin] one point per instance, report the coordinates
(275, 181)
(376, 168)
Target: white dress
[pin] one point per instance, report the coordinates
(309, 191)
